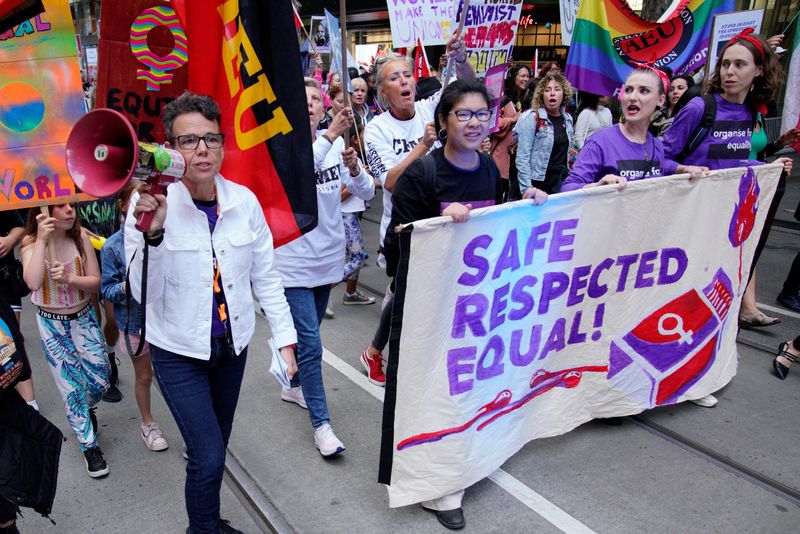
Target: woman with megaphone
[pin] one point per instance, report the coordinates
(205, 250)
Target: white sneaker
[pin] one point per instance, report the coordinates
(153, 437)
(709, 401)
(329, 311)
(294, 395)
(326, 441)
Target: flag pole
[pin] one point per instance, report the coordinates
(308, 37)
(460, 28)
(345, 77)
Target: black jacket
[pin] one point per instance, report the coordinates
(30, 445)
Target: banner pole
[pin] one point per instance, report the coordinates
(344, 74)
(51, 244)
(460, 28)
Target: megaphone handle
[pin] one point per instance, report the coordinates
(51, 243)
(145, 219)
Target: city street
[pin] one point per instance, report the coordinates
(734, 468)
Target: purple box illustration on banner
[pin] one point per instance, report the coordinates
(668, 351)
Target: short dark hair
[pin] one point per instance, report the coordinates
(452, 94)
(190, 102)
(685, 77)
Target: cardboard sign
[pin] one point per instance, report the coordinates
(40, 99)
(432, 21)
(490, 31)
(727, 25)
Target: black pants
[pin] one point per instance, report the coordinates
(8, 511)
(792, 283)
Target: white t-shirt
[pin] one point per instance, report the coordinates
(589, 121)
(388, 142)
(317, 258)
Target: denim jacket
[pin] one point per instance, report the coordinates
(112, 279)
(535, 144)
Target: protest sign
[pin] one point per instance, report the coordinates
(320, 34)
(495, 84)
(725, 26)
(40, 99)
(336, 50)
(525, 322)
(490, 31)
(142, 63)
(569, 13)
(610, 37)
(432, 21)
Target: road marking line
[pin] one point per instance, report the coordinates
(775, 309)
(517, 489)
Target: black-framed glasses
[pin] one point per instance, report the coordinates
(464, 115)
(192, 141)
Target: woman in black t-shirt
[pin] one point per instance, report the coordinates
(449, 181)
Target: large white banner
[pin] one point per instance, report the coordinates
(525, 322)
(432, 21)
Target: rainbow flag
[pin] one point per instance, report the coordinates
(609, 37)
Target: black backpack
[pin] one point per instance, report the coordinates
(700, 133)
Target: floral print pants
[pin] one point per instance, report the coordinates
(76, 353)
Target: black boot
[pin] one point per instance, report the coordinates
(113, 394)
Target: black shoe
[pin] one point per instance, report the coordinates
(113, 394)
(10, 529)
(451, 519)
(789, 300)
(96, 465)
(226, 528)
(93, 419)
(780, 369)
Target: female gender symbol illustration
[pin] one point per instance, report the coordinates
(685, 336)
(158, 65)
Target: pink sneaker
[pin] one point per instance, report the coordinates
(374, 367)
(153, 438)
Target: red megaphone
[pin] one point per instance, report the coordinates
(103, 154)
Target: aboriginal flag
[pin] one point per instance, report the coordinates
(245, 55)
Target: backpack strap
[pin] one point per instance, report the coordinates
(702, 129)
(429, 165)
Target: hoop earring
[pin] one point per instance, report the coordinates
(442, 134)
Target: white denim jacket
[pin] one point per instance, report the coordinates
(180, 272)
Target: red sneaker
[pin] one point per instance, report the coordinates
(374, 367)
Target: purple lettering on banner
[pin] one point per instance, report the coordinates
(625, 262)
(60, 191)
(575, 334)
(509, 257)
(464, 317)
(457, 365)
(499, 304)
(471, 259)
(555, 341)
(496, 346)
(597, 290)
(677, 254)
(554, 285)
(598, 321)
(561, 240)
(579, 281)
(536, 241)
(522, 297)
(515, 356)
(647, 265)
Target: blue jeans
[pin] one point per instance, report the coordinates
(202, 397)
(307, 305)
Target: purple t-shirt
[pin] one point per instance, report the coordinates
(727, 143)
(608, 151)
(217, 326)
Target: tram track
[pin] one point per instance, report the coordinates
(765, 482)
